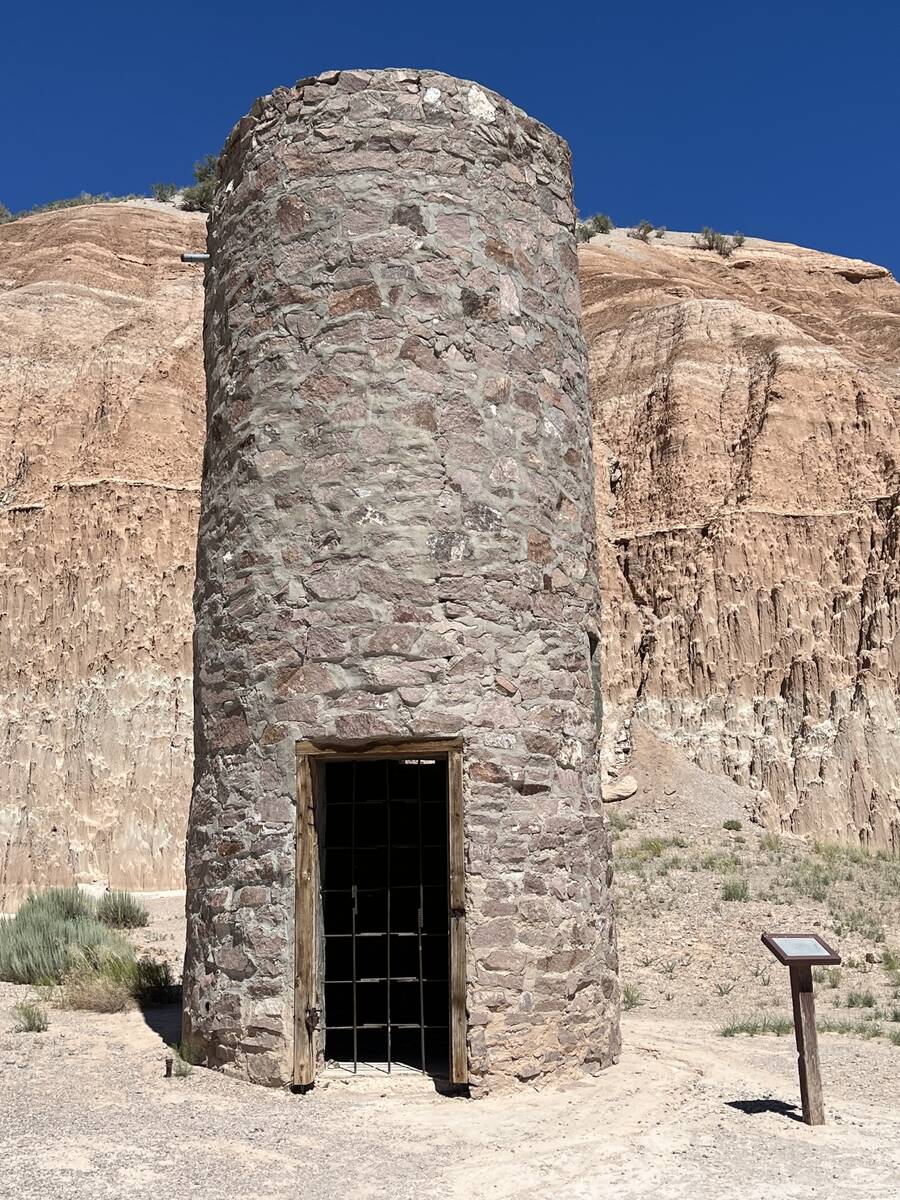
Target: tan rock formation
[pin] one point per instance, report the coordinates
(748, 448)
(746, 428)
(101, 412)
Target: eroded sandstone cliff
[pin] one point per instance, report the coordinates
(748, 449)
(746, 431)
(101, 414)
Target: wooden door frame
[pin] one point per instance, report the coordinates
(307, 935)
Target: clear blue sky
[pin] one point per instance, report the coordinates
(780, 119)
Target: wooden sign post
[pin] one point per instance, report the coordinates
(800, 952)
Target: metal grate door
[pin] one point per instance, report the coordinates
(386, 914)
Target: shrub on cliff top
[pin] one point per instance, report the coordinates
(598, 223)
(163, 191)
(65, 202)
(641, 232)
(711, 239)
(199, 197)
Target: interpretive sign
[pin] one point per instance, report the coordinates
(790, 948)
(801, 952)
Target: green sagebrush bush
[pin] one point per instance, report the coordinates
(199, 196)
(50, 934)
(57, 938)
(163, 191)
(120, 910)
(598, 223)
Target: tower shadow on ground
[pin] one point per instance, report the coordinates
(165, 1021)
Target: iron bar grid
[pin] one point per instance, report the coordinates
(367, 900)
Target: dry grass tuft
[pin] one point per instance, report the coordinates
(30, 1018)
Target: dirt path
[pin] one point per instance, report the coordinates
(86, 1112)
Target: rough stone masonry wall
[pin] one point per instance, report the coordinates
(397, 539)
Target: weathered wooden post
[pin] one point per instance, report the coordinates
(800, 952)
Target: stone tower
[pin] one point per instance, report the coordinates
(396, 852)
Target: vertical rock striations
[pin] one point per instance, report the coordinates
(100, 437)
(746, 424)
(397, 539)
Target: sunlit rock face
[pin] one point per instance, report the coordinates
(101, 401)
(746, 430)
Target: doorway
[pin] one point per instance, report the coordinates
(386, 916)
(380, 931)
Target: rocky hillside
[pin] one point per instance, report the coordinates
(101, 402)
(748, 445)
(747, 438)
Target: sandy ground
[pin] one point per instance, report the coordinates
(86, 1111)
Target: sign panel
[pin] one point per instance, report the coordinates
(797, 948)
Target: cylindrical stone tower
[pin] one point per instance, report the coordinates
(396, 592)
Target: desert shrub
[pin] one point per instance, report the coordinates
(857, 920)
(181, 1068)
(189, 1052)
(163, 191)
(890, 960)
(721, 861)
(735, 889)
(120, 910)
(631, 997)
(754, 1026)
(647, 849)
(5, 214)
(711, 239)
(641, 232)
(56, 937)
(814, 879)
(152, 983)
(50, 934)
(829, 976)
(762, 973)
(199, 197)
(100, 986)
(660, 231)
(109, 982)
(731, 824)
(67, 202)
(861, 1000)
(864, 1029)
(770, 842)
(30, 1017)
(653, 847)
(57, 904)
(619, 822)
(837, 854)
(598, 223)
